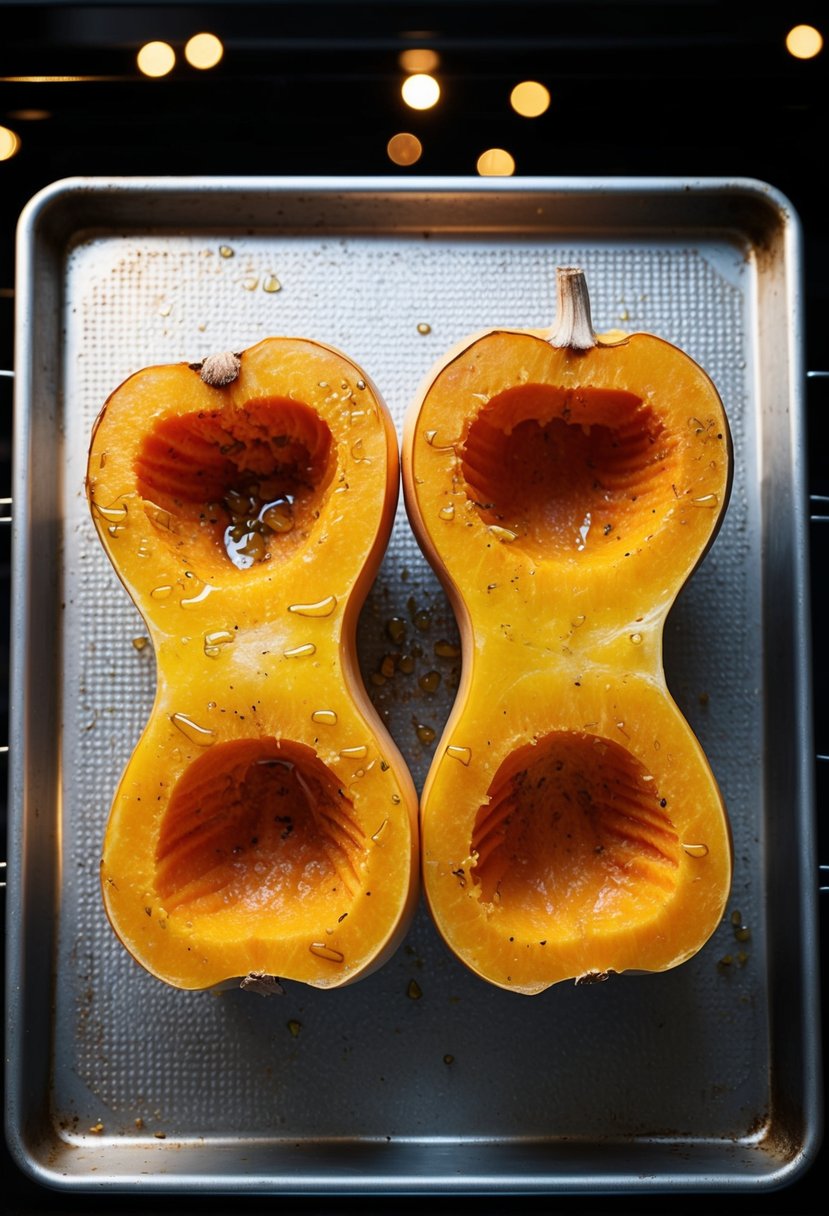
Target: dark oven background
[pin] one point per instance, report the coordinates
(684, 89)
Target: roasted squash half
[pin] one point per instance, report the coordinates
(265, 824)
(564, 488)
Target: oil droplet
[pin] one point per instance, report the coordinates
(140, 643)
(300, 652)
(320, 608)
(414, 992)
(202, 736)
(198, 590)
(430, 681)
(396, 799)
(215, 640)
(355, 753)
(636, 638)
(431, 439)
(446, 650)
(447, 512)
(144, 547)
(695, 850)
(505, 535)
(387, 666)
(406, 664)
(426, 734)
(326, 717)
(278, 515)
(464, 754)
(251, 283)
(584, 528)
(376, 835)
(161, 593)
(159, 516)
(116, 514)
(424, 327)
(396, 629)
(245, 549)
(165, 310)
(422, 620)
(271, 284)
(358, 454)
(707, 500)
(294, 1027)
(578, 621)
(327, 952)
(361, 384)
(226, 252)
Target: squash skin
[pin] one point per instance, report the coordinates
(561, 602)
(265, 823)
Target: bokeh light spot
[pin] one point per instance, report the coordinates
(804, 42)
(495, 162)
(404, 148)
(420, 91)
(529, 99)
(203, 51)
(156, 59)
(9, 143)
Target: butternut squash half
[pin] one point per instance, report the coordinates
(265, 825)
(564, 488)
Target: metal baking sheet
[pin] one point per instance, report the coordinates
(422, 1078)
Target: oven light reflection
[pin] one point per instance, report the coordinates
(29, 115)
(419, 59)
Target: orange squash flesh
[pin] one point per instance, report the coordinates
(265, 824)
(571, 825)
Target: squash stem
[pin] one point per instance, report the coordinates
(574, 326)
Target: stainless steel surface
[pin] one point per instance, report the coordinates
(706, 1077)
